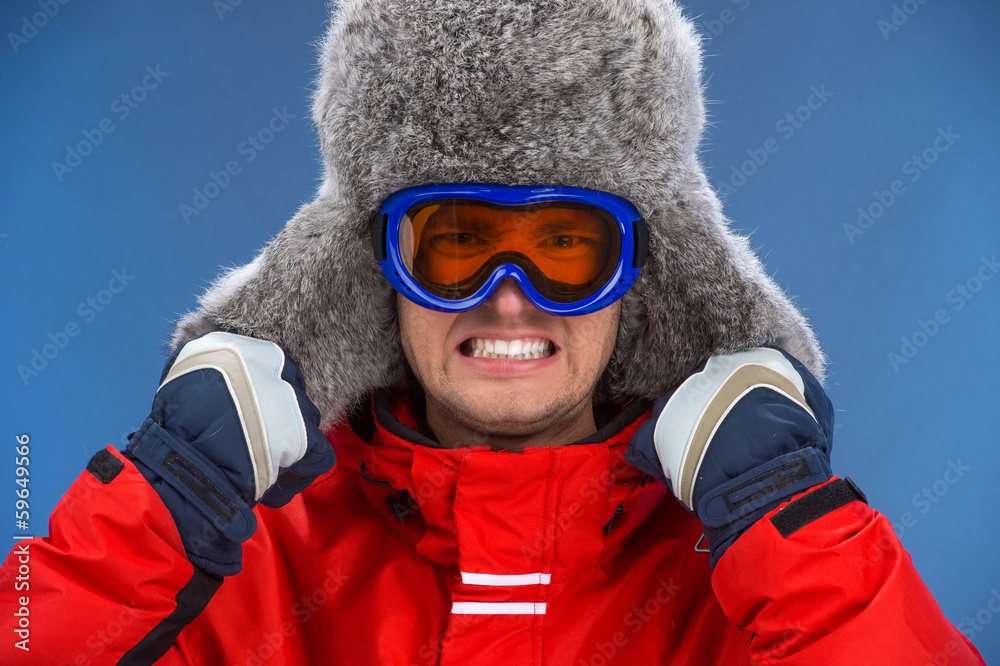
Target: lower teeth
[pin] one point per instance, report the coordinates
(478, 353)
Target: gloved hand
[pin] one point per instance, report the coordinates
(230, 426)
(738, 437)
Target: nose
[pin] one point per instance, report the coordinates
(508, 301)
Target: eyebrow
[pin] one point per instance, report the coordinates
(450, 219)
(557, 226)
(550, 227)
(474, 219)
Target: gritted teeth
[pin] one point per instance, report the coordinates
(514, 350)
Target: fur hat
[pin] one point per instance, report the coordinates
(601, 94)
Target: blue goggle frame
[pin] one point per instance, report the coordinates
(634, 244)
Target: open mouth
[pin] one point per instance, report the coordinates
(524, 349)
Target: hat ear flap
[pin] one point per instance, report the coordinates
(702, 292)
(317, 292)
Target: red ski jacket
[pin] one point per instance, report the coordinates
(409, 554)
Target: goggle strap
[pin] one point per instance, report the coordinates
(640, 241)
(380, 225)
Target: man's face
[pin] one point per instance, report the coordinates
(492, 399)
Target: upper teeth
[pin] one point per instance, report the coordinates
(510, 349)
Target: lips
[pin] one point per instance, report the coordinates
(519, 349)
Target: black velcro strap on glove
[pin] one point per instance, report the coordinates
(815, 505)
(729, 510)
(196, 478)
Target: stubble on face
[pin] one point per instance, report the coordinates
(552, 406)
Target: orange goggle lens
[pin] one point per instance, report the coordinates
(451, 246)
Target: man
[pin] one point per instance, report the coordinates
(514, 284)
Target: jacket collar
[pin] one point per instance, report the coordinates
(547, 510)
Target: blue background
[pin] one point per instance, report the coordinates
(900, 426)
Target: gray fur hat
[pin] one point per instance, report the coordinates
(601, 94)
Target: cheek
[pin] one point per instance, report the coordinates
(411, 330)
(422, 332)
(596, 334)
(610, 332)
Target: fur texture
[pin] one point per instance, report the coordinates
(603, 94)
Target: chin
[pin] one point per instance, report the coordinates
(513, 413)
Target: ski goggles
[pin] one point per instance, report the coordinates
(571, 251)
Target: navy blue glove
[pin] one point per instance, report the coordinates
(741, 435)
(231, 426)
